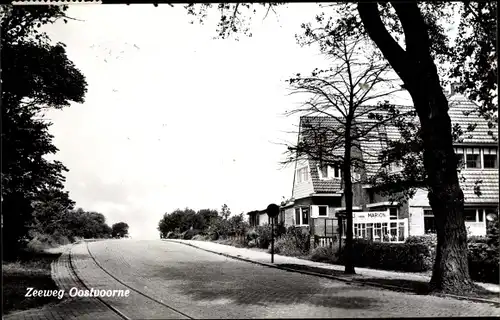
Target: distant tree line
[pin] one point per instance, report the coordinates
(205, 221)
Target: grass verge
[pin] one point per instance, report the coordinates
(30, 269)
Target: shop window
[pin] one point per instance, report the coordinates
(401, 231)
(369, 231)
(470, 215)
(385, 232)
(394, 231)
(377, 232)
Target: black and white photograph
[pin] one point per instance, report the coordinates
(249, 160)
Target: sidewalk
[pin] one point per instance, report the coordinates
(388, 279)
(68, 308)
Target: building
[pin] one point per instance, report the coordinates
(318, 199)
(260, 218)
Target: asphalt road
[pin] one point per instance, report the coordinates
(204, 285)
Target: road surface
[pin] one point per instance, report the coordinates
(171, 280)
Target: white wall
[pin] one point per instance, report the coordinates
(476, 228)
(302, 189)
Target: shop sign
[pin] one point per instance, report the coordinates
(371, 216)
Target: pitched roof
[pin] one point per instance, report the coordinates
(464, 112)
(461, 111)
(487, 182)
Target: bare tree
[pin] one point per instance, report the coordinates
(344, 111)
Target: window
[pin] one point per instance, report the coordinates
(323, 210)
(490, 158)
(369, 231)
(470, 215)
(394, 231)
(401, 231)
(336, 171)
(302, 216)
(481, 215)
(473, 158)
(377, 230)
(302, 175)
(393, 212)
(461, 158)
(323, 170)
(429, 222)
(305, 215)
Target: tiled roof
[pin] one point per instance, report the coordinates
(464, 112)
(488, 185)
(309, 128)
(332, 185)
(461, 111)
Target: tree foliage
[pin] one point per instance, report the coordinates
(36, 75)
(183, 220)
(119, 230)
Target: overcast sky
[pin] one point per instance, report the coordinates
(173, 118)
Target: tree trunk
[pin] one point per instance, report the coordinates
(451, 270)
(416, 68)
(348, 254)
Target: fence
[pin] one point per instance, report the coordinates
(324, 231)
(237, 237)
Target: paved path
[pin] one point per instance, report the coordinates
(361, 273)
(178, 278)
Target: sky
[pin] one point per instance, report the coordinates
(173, 118)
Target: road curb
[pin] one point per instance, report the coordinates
(355, 282)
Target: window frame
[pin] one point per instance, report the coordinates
(302, 174)
(490, 151)
(326, 211)
(301, 216)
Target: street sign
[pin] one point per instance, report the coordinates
(273, 210)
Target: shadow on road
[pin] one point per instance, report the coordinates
(247, 284)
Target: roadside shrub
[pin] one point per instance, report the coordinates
(411, 257)
(189, 234)
(172, 235)
(324, 254)
(301, 238)
(264, 236)
(199, 237)
(483, 262)
(251, 235)
(483, 255)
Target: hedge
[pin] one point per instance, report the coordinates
(483, 256)
(411, 257)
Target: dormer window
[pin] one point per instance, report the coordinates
(302, 175)
(473, 158)
(477, 158)
(328, 172)
(490, 158)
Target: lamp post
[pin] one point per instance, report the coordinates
(272, 211)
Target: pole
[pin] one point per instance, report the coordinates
(340, 235)
(272, 240)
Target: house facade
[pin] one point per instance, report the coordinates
(318, 200)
